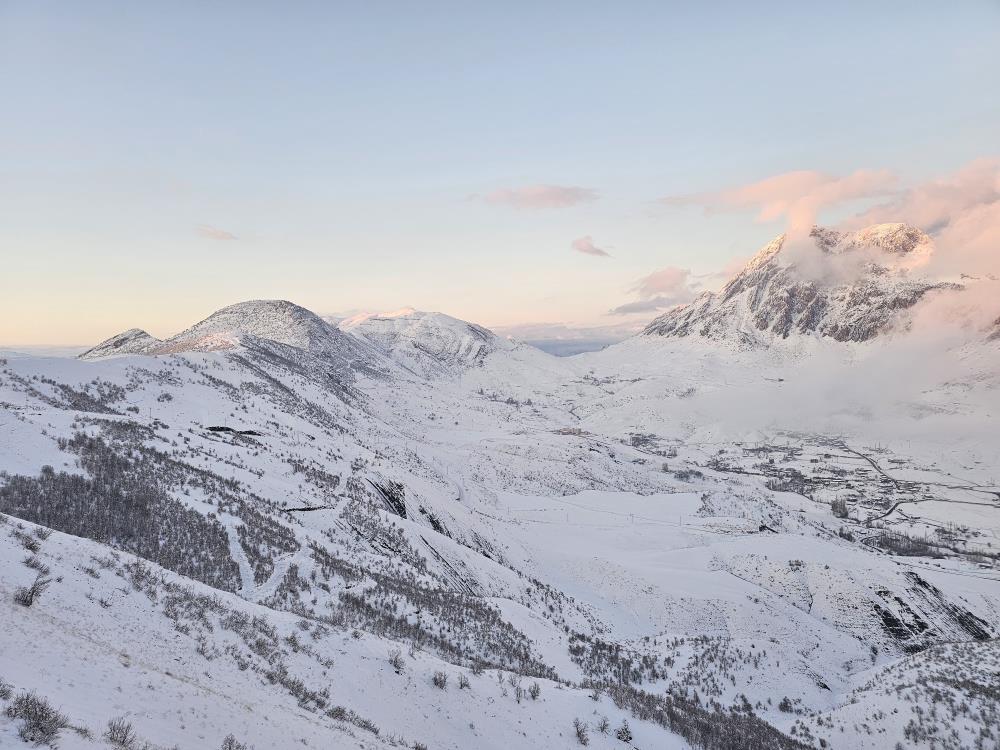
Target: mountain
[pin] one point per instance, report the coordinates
(132, 341)
(428, 343)
(847, 286)
(293, 329)
(434, 345)
(279, 321)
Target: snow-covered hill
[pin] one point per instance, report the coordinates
(274, 320)
(433, 345)
(132, 341)
(255, 323)
(430, 344)
(849, 286)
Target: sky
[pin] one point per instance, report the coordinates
(527, 166)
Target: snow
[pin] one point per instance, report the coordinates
(852, 286)
(670, 496)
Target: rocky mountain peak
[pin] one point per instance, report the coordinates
(849, 286)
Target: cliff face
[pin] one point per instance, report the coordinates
(781, 293)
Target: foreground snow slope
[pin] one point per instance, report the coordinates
(187, 665)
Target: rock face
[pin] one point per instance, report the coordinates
(132, 341)
(846, 286)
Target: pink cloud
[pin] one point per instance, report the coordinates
(541, 196)
(961, 213)
(795, 196)
(933, 205)
(653, 304)
(214, 233)
(969, 244)
(586, 246)
(659, 290)
(670, 280)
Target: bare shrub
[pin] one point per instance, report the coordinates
(396, 660)
(463, 681)
(603, 725)
(120, 734)
(6, 690)
(35, 563)
(231, 743)
(440, 680)
(580, 728)
(40, 722)
(515, 682)
(339, 713)
(534, 691)
(26, 595)
(624, 732)
(30, 544)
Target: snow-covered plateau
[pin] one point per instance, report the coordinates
(771, 520)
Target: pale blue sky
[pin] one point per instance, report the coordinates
(348, 146)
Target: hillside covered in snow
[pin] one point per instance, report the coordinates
(406, 531)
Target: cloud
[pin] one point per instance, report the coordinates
(586, 246)
(670, 280)
(541, 196)
(653, 304)
(659, 290)
(795, 196)
(961, 213)
(564, 339)
(214, 233)
(934, 205)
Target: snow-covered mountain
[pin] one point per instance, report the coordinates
(389, 533)
(433, 345)
(132, 341)
(274, 320)
(848, 286)
(254, 323)
(428, 343)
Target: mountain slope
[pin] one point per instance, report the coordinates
(132, 341)
(428, 343)
(279, 321)
(438, 347)
(845, 286)
(281, 327)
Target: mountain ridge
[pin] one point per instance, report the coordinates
(846, 286)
